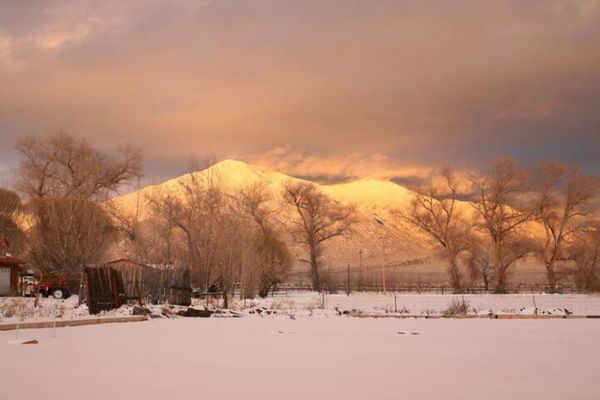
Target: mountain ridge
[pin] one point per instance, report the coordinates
(374, 198)
(368, 193)
(393, 242)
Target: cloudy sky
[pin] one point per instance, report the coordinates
(319, 87)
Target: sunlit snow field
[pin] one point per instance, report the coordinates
(306, 358)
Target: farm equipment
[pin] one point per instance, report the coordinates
(55, 285)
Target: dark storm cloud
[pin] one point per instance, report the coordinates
(395, 83)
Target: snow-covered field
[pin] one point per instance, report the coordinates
(428, 304)
(306, 358)
(310, 304)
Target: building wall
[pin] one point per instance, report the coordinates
(9, 280)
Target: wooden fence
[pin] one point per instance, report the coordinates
(423, 288)
(109, 286)
(155, 284)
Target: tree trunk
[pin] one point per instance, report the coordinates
(500, 269)
(486, 281)
(314, 269)
(501, 287)
(551, 274)
(454, 274)
(225, 299)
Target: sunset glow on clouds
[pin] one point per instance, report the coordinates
(336, 88)
(332, 168)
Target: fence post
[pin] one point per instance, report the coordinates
(54, 325)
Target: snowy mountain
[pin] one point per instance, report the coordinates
(374, 198)
(367, 194)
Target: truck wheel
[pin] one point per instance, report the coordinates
(58, 294)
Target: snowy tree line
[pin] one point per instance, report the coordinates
(482, 223)
(499, 220)
(229, 240)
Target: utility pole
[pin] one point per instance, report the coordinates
(383, 266)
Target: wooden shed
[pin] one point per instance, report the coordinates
(154, 284)
(10, 270)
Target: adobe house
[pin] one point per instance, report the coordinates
(10, 270)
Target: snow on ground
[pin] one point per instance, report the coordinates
(306, 358)
(310, 304)
(307, 303)
(13, 309)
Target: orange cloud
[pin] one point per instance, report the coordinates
(300, 163)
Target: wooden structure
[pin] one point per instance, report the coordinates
(121, 281)
(10, 270)
(154, 284)
(104, 289)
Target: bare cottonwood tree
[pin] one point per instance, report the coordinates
(151, 240)
(230, 238)
(62, 166)
(496, 195)
(68, 233)
(270, 254)
(64, 178)
(195, 210)
(585, 251)
(318, 219)
(435, 211)
(562, 197)
(480, 262)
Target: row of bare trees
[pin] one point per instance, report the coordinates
(489, 220)
(235, 239)
(229, 240)
(482, 223)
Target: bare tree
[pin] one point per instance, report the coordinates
(480, 262)
(62, 166)
(499, 217)
(562, 198)
(152, 240)
(230, 239)
(318, 219)
(63, 177)
(435, 211)
(271, 256)
(68, 233)
(254, 203)
(195, 210)
(585, 251)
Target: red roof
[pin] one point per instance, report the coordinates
(11, 261)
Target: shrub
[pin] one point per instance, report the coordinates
(457, 307)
